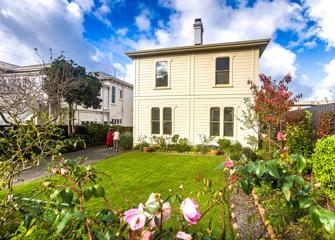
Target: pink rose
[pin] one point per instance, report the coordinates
(135, 218)
(228, 164)
(190, 210)
(280, 136)
(183, 235)
(166, 210)
(146, 235)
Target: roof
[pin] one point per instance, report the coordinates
(314, 103)
(11, 68)
(259, 43)
(105, 76)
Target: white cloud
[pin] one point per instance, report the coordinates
(102, 14)
(122, 31)
(86, 5)
(142, 21)
(321, 90)
(322, 12)
(277, 61)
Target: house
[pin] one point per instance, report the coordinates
(116, 95)
(194, 90)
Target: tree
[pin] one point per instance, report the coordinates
(20, 95)
(67, 81)
(271, 101)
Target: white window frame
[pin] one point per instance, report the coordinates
(231, 58)
(169, 74)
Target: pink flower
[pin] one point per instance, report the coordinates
(166, 210)
(146, 235)
(190, 210)
(54, 169)
(64, 171)
(228, 164)
(280, 136)
(183, 235)
(135, 218)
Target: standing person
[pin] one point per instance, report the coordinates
(116, 139)
(109, 141)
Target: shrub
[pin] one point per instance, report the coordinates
(325, 123)
(126, 141)
(264, 154)
(224, 144)
(183, 145)
(323, 161)
(300, 137)
(236, 147)
(249, 153)
(235, 156)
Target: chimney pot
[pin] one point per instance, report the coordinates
(198, 31)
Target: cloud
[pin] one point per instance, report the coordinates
(86, 5)
(142, 21)
(102, 14)
(322, 12)
(278, 61)
(322, 90)
(122, 31)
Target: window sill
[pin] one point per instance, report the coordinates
(223, 86)
(162, 88)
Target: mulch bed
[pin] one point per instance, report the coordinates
(249, 222)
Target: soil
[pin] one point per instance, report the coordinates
(249, 222)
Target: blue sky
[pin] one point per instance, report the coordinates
(95, 33)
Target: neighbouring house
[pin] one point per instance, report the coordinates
(196, 90)
(116, 95)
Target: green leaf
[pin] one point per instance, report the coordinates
(88, 193)
(306, 202)
(259, 169)
(273, 170)
(327, 218)
(60, 227)
(67, 195)
(286, 189)
(98, 191)
(300, 161)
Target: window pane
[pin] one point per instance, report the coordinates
(113, 94)
(167, 128)
(222, 77)
(228, 129)
(222, 63)
(155, 127)
(161, 74)
(215, 129)
(215, 114)
(155, 114)
(167, 114)
(228, 114)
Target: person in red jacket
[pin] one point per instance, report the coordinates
(109, 141)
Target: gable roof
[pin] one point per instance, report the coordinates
(259, 43)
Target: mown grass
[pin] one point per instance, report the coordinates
(137, 175)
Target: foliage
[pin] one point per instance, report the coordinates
(271, 101)
(236, 147)
(249, 154)
(66, 80)
(301, 137)
(182, 145)
(236, 155)
(323, 164)
(126, 141)
(224, 144)
(325, 125)
(264, 154)
(283, 173)
(159, 142)
(23, 147)
(94, 133)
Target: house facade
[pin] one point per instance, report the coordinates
(194, 91)
(116, 94)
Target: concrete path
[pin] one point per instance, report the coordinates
(93, 154)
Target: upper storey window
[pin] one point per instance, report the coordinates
(162, 74)
(222, 71)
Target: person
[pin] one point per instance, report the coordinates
(109, 141)
(116, 139)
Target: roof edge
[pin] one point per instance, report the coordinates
(259, 43)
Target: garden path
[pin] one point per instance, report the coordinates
(92, 154)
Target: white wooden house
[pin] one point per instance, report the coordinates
(194, 90)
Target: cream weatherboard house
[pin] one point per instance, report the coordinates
(194, 90)
(116, 94)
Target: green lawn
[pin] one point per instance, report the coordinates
(139, 174)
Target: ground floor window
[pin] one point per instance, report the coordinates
(167, 120)
(228, 124)
(155, 121)
(214, 128)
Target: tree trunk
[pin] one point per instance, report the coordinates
(269, 136)
(71, 120)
